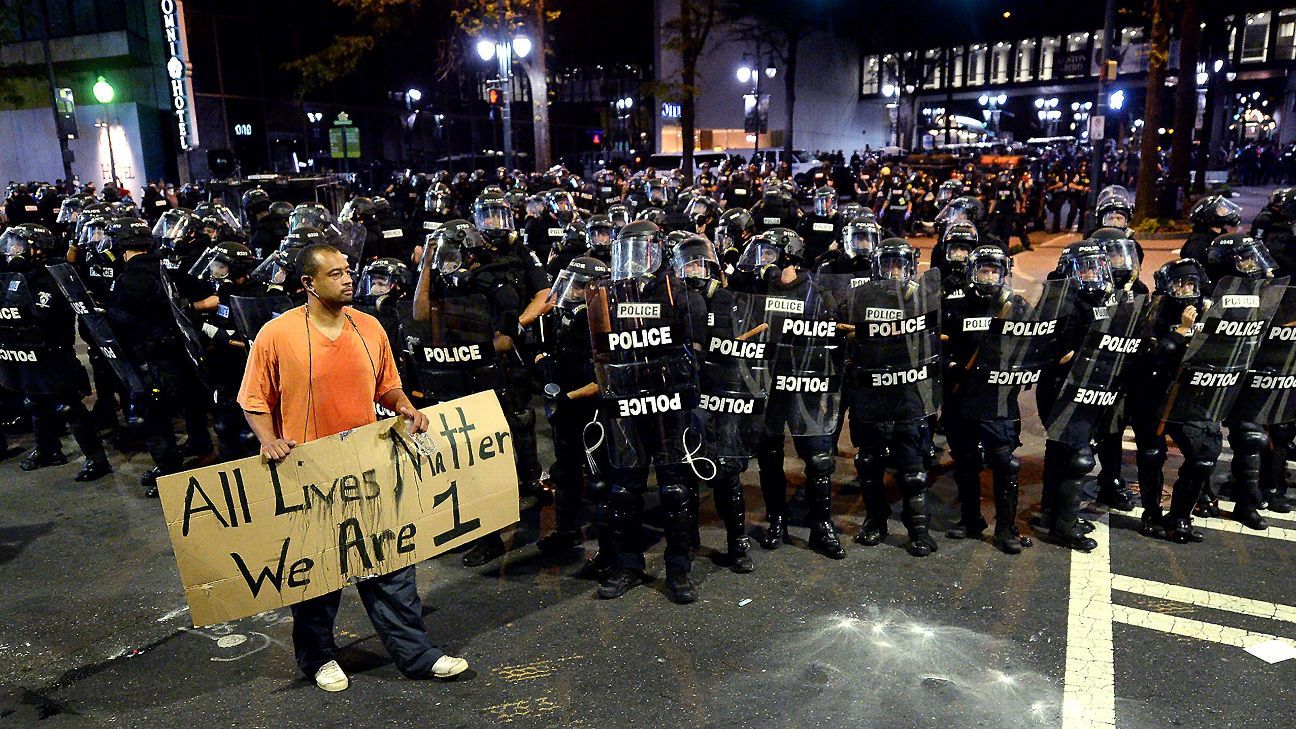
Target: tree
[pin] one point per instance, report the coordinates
(779, 26)
(1185, 110)
(686, 34)
(376, 19)
(1158, 51)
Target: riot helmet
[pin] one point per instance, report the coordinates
(1114, 207)
(312, 215)
(1183, 281)
(734, 228)
(701, 210)
(493, 216)
(619, 215)
(224, 261)
(1235, 254)
(825, 201)
(1122, 254)
(568, 290)
(125, 234)
(598, 236)
(1086, 264)
(437, 200)
(695, 258)
(561, 205)
(254, 201)
(26, 241)
(1216, 212)
(989, 271)
(637, 251)
(860, 237)
(382, 277)
(895, 260)
(359, 209)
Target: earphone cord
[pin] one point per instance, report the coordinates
(310, 369)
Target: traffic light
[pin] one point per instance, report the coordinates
(495, 97)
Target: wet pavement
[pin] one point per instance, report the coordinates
(1138, 633)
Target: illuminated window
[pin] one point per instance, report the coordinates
(957, 77)
(976, 65)
(1000, 62)
(934, 62)
(1286, 49)
(1255, 37)
(1049, 49)
(870, 76)
(1077, 42)
(1025, 60)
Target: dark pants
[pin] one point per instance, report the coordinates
(623, 509)
(396, 612)
(570, 468)
(974, 445)
(46, 421)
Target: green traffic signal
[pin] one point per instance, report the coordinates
(103, 91)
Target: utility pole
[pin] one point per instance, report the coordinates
(1098, 146)
(65, 153)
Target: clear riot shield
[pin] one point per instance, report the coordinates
(193, 345)
(95, 329)
(735, 373)
(642, 331)
(27, 363)
(1018, 345)
(1093, 384)
(895, 351)
(452, 354)
(250, 313)
(1268, 392)
(808, 364)
(1218, 355)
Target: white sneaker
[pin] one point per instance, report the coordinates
(447, 666)
(331, 678)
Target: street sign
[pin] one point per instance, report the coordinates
(344, 142)
(1097, 126)
(66, 106)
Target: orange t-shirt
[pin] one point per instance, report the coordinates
(319, 387)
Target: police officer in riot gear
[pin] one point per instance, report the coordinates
(1235, 254)
(733, 231)
(140, 309)
(1211, 217)
(645, 328)
(773, 265)
(854, 254)
(822, 227)
(571, 402)
(266, 227)
(1180, 287)
(775, 209)
(903, 442)
(44, 326)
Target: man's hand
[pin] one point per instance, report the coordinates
(277, 449)
(418, 422)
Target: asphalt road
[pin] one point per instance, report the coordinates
(94, 630)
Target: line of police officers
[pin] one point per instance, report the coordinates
(671, 336)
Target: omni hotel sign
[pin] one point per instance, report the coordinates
(178, 77)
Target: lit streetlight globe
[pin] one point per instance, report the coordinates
(522, 46)
(103, 91)
(744, 74)
(414, 95)
(486, 49)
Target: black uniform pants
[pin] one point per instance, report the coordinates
(394, 608)
(904, 446)
(46, 420)
(974, 445)
(624, 515)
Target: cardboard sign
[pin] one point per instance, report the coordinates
(251, 536)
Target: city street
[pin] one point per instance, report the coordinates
(1138, 633)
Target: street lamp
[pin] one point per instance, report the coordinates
(104, 94)
(103, 91)
(503, 49)
(891, 92)
(991, 109)
(750, 72)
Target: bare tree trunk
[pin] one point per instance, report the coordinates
(1185, 112)
(538, 78)
(688, 76)
(789, 90)
(1158, 48)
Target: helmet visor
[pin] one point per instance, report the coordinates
(494, 215)
(634, 257)
(860, 240)
(759, 253)
(568, 290)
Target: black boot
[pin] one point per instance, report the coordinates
(681, 588)
(775, 533)
(484, 550)
(739, 559)
(599, 567)
(1177, 523)
(823, 539)
(874, 529)
(1114, 493)
(1152, 523)
(916, 520)
(823, 534)
(40, 459)
(620, 582)
(559, 542)
(93, 470)
(1069, 530)
(971, 523)
(1007, 492)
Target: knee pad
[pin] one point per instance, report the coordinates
(1282, 434)
(865, 461)
(1252, 441)
(1198, 468)
(622, 498)
(1079, 463)
(1003, 459)
(673, 496)
(913, 483)
(1153, 456)
(820, 464)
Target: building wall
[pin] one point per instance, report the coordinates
(829, 112)
(29, 148)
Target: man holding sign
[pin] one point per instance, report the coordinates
(314, 372)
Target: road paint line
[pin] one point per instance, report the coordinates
(1290, 517)
(1204, 598)
(1228, 525)
(1198, 629)
(174, 613)
(1089, 692)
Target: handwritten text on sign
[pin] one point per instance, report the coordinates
(250, 536)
